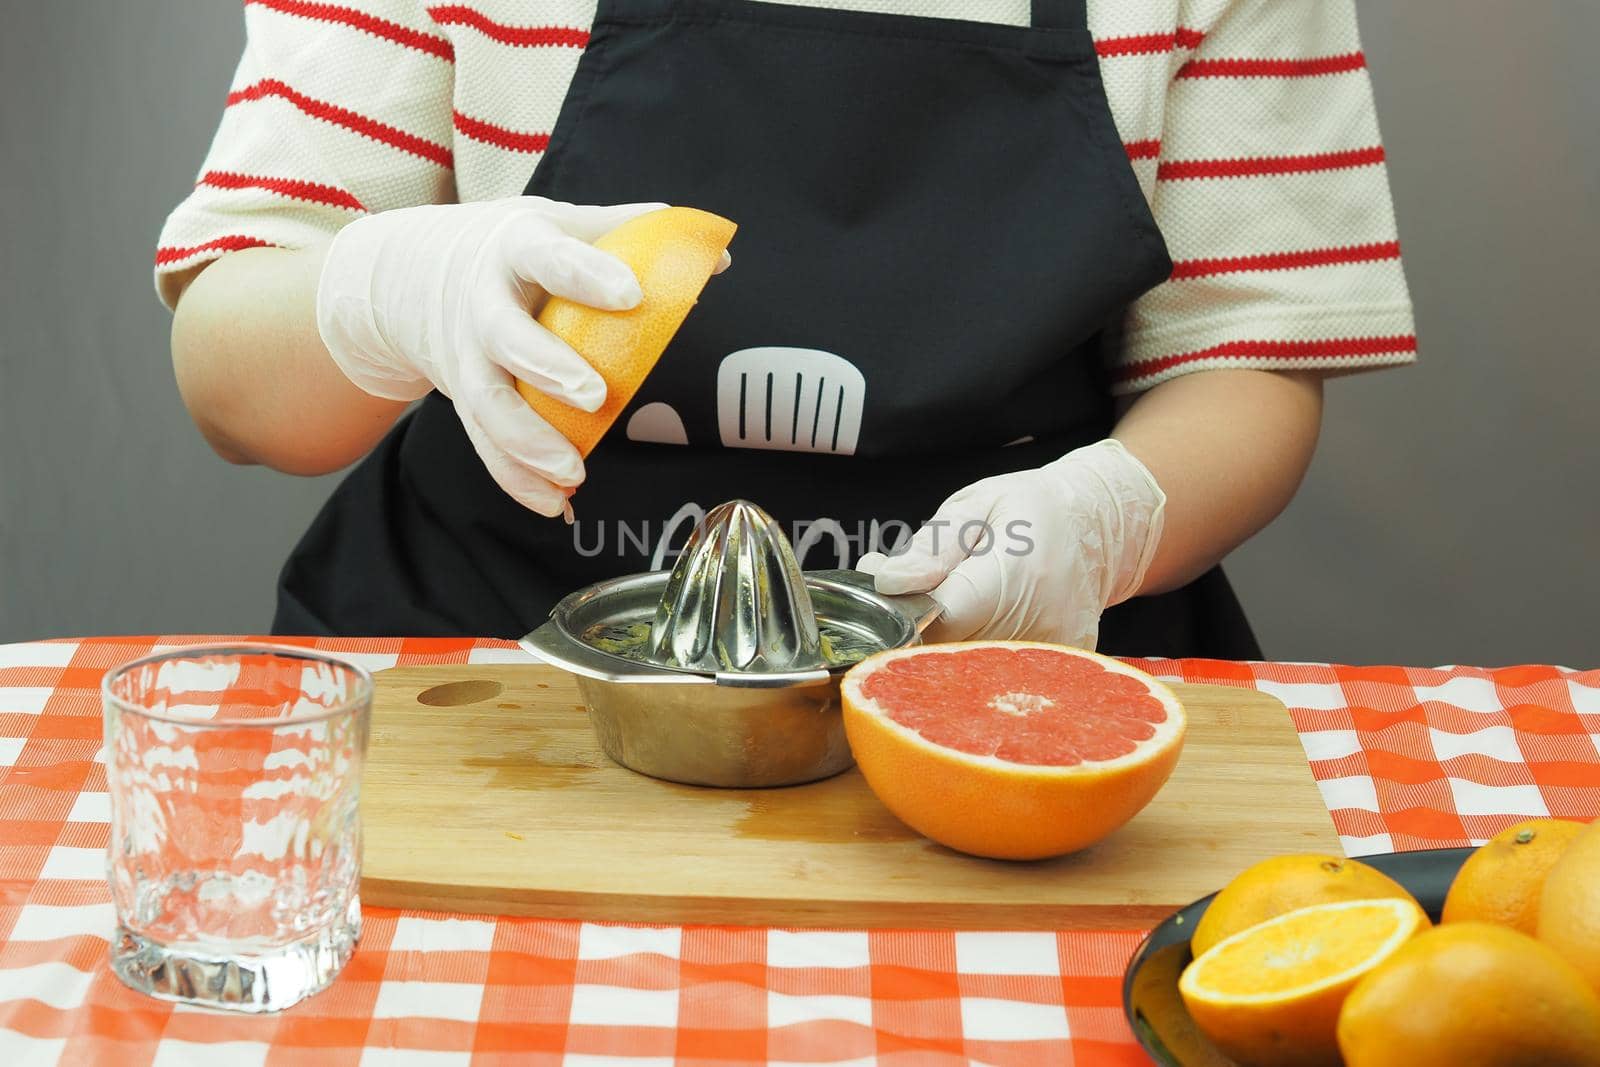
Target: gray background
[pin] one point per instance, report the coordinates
(1451, 515)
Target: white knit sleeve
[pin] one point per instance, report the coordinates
(1273, 196)
(335, 110)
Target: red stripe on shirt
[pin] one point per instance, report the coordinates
(504, 33)
(1144, 44)
(500, 136)
(1273, 68)
(1150, 149)
(312, 192)
(1317, 257)
(350, 120)
(231, 243)
(363, 21)
(1343, 348)
(1174, 170)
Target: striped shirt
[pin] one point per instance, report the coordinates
(1249, 123)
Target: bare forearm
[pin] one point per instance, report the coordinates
(254, 373)
(1229, 448)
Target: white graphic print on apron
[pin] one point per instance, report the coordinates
(790, 399)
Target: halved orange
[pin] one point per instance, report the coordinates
(1287, 883)
(1270, 996)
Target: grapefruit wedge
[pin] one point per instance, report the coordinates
(673, 253)
(1010, 749)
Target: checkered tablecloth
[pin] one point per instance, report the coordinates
(1406, 758)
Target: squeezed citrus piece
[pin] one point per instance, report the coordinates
(673, 253)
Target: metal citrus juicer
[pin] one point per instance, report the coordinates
(725, 671)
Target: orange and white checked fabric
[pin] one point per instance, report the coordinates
(1407, 758)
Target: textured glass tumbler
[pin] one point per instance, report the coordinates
(235, 782)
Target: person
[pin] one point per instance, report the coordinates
(1055, 285)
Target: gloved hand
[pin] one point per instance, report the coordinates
(1034, 555)
(443, 296)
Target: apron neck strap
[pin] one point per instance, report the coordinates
(1060, 14)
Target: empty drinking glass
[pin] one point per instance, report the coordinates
(235, 781)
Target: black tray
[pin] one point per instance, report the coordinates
(1159, 1020)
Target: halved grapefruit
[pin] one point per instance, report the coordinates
(1010, 749)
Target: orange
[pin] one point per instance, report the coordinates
(1010, 749)
(1472, 994)
(1283, 884)
(1501, 881)
(1270, 995)
(1569, 912)
(673, 253)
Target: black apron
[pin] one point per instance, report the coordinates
(938, 232)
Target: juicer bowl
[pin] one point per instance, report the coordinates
(720, 728)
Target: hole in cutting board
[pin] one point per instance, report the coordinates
(455, 694)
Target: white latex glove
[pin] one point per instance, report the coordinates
(443, 296)
(1043, 552)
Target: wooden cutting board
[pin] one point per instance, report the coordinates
(485, 791)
